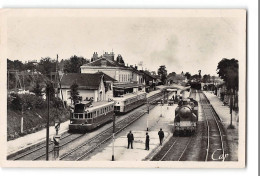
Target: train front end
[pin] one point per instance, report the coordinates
(80, 121)
(185, 121)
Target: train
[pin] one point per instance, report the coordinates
(209, 87)
(195, 85)
(90, 115)
(186, 117)
(129, 102)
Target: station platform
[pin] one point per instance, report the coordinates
(31, 140)
(138, 153)
(224, 114)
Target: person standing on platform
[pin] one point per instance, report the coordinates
(130, 138)
(147, 140)
(161, 136)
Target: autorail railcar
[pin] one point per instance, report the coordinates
(88, 116)
(129, 102)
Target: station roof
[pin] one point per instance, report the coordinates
(127, 85)
(84, 80)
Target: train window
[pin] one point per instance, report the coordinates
(80, 116)
(86, 116)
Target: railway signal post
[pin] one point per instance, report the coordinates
(56, 149)
(56, 141)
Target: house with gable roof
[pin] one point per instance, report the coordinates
(97, 86)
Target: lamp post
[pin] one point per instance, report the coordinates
(148, 111)
(113, 138)
(161, 107)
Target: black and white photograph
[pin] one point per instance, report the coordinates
(124, 88)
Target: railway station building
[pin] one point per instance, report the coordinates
(128, 79)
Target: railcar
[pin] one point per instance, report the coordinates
(129, 102)
(88, 116)
(186, 117)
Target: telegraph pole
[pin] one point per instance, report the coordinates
(48, 119)
(22, 121)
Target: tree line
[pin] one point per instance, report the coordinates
(47, 65)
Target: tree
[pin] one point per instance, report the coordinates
(188, 75)
(153, 73)
(37, 90)
(74, 94)
(171, 74)
(46, 65)
(228, 71)
(15, 65)
(73, 64)
(206, 78)
(120, 59)
(195, 77)
(162, 72)
(30, 66)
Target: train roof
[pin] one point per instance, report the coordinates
(99, 104)
(127, 96)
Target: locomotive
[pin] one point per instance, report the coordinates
(186, 117)
(195, 85)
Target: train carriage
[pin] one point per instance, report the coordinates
(85, 118)
(129, 102)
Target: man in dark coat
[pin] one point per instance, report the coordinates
(130, 138)
(161, 136)
(147, 140)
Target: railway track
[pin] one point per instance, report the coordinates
(216, 149)
(36, 153)
(83, 150)
(39, 152)
(175, 149)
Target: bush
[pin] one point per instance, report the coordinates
(16, 102)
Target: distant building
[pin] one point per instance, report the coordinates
(96, 86)
(150, 81)
(177, 79)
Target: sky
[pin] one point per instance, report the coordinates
(184, 44)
